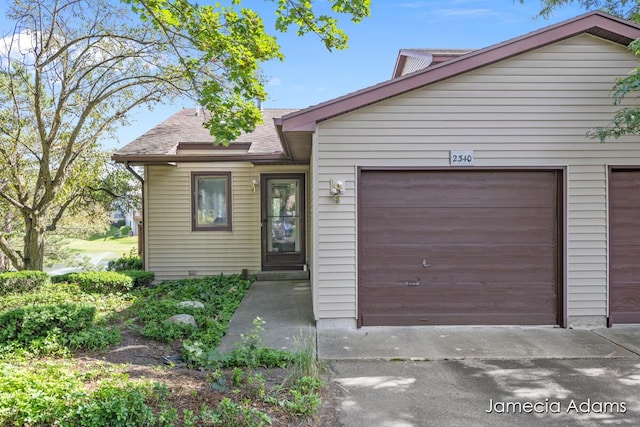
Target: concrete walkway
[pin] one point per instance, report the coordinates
(285, 306)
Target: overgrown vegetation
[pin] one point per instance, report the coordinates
(125, 263)
(61, 318)
(22, 281)
(220, 296)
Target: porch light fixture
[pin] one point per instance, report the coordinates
(336, 189)
(254, 185)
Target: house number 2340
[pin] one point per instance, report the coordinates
(461, 158)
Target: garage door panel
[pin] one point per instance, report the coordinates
(456, 264)
(458, 319)
(624, 258)
(489, 240)
(462, 189)
(455, 225)
(434, 304)
(625, 226)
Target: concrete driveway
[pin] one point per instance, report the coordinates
(484, 376)
(474, 392)
(457, 376)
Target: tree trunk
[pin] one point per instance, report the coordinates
(33, 254)
(5, 262)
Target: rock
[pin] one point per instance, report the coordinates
(192, 304)
(186, 319)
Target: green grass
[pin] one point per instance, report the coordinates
(118, 246)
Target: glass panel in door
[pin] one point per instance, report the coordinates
(283, 216)
(283, 221)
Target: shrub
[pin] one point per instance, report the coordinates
(116, 404)
(130, 262)
(97, 281)
(36, 395)
(50, 393)
(53, 329)
(22, 281)
(140, 277)
(67, 293)
(124, 230)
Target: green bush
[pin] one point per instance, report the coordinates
(97, 281)
(140, 277)
(124, 230)
(114, 404)
(53, 329)
(36, 395)
(130, 262)
(66, 293)
(50, 393)
(22, 281)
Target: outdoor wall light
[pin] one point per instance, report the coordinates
(255, 185)
(336, 189)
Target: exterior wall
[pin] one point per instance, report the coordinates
(174, 251)
(532, 110)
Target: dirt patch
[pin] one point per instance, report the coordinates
(190, 389)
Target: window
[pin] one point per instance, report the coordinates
(211, 201)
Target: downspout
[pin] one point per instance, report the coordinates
(141, 224)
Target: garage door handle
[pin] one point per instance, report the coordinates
(408, 283)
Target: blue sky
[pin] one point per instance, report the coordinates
(310, 74)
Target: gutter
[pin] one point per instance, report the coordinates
(133, 172)
(175, 158)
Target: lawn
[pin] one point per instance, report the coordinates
(80, 355)
(117, 246)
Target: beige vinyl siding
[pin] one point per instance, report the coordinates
(173, 250)
(532, 110)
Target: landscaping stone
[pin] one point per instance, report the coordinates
(186, 319)
(192, 304)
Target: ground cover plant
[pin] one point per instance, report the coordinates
(78, 355)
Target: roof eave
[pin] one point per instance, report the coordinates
(148, 159)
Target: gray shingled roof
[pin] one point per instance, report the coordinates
(186, 126)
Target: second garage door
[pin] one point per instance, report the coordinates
(624, 243)
(459, 247)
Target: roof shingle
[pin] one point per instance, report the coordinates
(186, 126)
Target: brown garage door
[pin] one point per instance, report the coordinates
(624, 243)
(458, 247)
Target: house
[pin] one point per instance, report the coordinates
(461, 191)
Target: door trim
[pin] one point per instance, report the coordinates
(292, 260)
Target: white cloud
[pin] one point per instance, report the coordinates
(464, 12)
(18, 46)
(274, 81)
(414, 5)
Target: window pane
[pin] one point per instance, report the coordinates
(212, 201)
(283, 217)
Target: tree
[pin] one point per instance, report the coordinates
(626, 121)
(72, 71)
